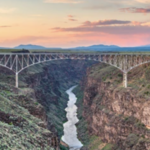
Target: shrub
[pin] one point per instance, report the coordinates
(63, 147)
(120, 75)
(107, 147)
(10, 123)
(148, 86)
(146, 93)
(147, 74)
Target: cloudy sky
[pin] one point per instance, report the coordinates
(69, 23)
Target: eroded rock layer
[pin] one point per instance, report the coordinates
(115, 118)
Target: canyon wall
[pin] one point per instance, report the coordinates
(42, 99)
(112, 117)
(50, 86)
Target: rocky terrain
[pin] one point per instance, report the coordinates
(32, 116)
(19, 129)
(112, 117)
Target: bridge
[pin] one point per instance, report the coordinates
(17, 62)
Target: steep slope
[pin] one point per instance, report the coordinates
(42, 95)
(21, 130)
(112, 117)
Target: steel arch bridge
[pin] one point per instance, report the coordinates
(17, 62)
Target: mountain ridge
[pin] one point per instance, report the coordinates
(99, 47)
(30, 46)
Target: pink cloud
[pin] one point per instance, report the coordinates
(5, 26)
(71, 18)
(105, 22)
(123, 33)
(135, 10)
(63, 1)
(121, 30)
(136, 23)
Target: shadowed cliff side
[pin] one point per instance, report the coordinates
(50, 86)
(42, 95)
(112, 117)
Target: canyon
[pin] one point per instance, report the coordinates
(42, 100)
(111, 117)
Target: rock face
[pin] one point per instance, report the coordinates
(42, 100)
(21, 130)
(50, 86)
(116, 115)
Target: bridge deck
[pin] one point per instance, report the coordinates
(17, 62)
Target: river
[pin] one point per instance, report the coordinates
(70, 130)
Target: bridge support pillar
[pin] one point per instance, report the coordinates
(125, 79)
(17, 80)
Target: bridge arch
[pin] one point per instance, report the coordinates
(17, 62)
(146, 62)
(17, 73)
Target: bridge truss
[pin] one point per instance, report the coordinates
(17, 62)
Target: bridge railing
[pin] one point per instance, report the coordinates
(17, 62)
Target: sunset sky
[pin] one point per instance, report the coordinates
(70, 23)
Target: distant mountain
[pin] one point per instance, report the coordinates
(97, 47)
(100, 48)
(112, 48)
(30, 46)
(5, 48)
(146, 46)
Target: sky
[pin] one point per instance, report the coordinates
(71, 23)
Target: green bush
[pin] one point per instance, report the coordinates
(147, 74)
(104, 78)
(63, 147)
(108, 147)
(10, 123)
(148, 86)
(120, 75)
(146, 93)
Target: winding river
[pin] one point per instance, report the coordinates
(70, 130)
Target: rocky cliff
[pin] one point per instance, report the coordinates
(42, 100)
(112, 117)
